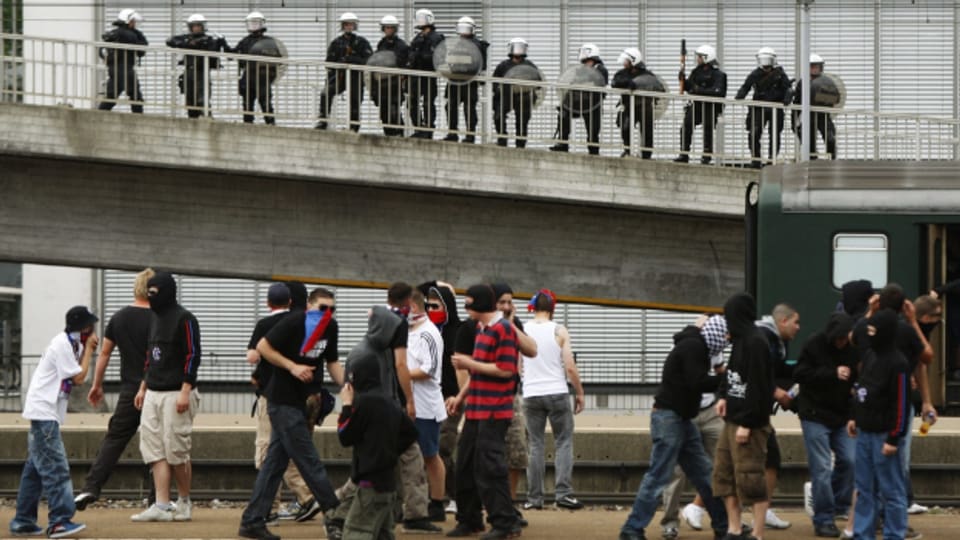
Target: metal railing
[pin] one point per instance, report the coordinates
(73, 74)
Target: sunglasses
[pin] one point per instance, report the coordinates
(332, 309)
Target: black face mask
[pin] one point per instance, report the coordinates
(166, 295)
(928, 328)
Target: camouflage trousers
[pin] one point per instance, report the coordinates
(413, 492)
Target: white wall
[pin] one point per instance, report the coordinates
(63, 77)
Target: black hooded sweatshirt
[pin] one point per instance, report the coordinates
(686, 374)
(748, 385)
(855, 297)
(883, 388)
(824, 398)
(375, 427)
(173, 346)
(448, 330)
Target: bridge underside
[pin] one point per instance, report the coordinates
(88, 213)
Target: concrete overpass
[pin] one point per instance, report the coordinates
(116, 190)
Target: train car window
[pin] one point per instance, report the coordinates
(859, 256)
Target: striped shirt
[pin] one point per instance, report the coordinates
(492, 397)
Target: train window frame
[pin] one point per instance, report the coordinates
(837, 249)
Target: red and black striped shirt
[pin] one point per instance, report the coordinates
(492, 397)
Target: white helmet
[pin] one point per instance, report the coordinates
(126, 16)
(423, 17)
(389, 20)
(589, 51)
(632, 55)
(816, 59)
(466, 26)
(517, 47)
(766, 56)
(350, 17)
(256, 21)
(196, 19)
(708, 53)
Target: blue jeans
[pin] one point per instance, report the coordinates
(832, 486)
(675, 441)
(877, 474)
(538, 410)
(46, 471)
(290, 439)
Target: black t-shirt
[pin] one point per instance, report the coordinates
(287, 337)
(400, 337)
(129, 329)
(908, 342)
(264, 369)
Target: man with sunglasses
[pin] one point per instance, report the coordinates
(296, 346)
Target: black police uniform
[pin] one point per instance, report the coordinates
(705, 80)
(348, 48)
(768, 85)
(121, 75)
(591, 119)
(820, 121)
(505, 100)
(468, 94)
(644, 114)
(194, 82)
(389, 92)
(256, 79)
(423, 88)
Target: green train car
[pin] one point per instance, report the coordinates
(812, 226)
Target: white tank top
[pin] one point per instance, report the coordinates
(544, 375)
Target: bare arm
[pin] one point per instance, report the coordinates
(95, 395)
(418, 374)
(528, 345)
(89, 347)
(300, 371)
(335, 369)
(462, 361)
(403, 373)
(252, 356)
(573, 374)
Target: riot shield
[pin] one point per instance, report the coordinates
(382, 82)
(650, 82)
(580, 101)
(525, 72)
(828, 90)
(458, 60)
(271, 46)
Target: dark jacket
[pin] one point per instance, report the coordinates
(706, 80)
(199, 42)
(448, 330)
(782, 372)
(686, 374)
(376, 428)
(348, 49)
(374, 348)
(748, 385)
(883, 388)
(773, 85)
(503, 90)
(823, 397)
(421, 50)
(121, 58)
(173, 345)
(399, 48)
(625, 79)
(248, 68)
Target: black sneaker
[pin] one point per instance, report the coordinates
(827, 530)
(682, 159)
(470, 139)
(560, 148)
(82, 500)
(462, 530)
(451, 137)
(632, 535)
(521, 521)
(420, 526)
(307, 511)
(532, 506)
(569, 502)
(257, 532)
(912, 534)
(500, 534)
(436, 512)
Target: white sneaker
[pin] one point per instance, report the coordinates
(452, 507)
(183, 510)
(847, 534)
(693, 515)
(154, 513)
(775, 522)
(808, 498)
(917, 509)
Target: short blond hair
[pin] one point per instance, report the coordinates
(140, 283)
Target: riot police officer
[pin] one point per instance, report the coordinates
(347, 48)
(256, 77)
(707, 79)
(820, 121)
(505, 99)
(121, 75)
(194, 81)
(593, 115)
(387, 92)
(632, 61)
(423, 90)
(467, 94)
(769, 83)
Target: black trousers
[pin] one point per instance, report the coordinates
(423, 98)
(122, 427)
(253, 91)
(522, 111)
(193, 91)
(642, 116)
(591, 120)
(482, 475)
(696, 114)
(759, 118)
(467, 95)
(823, 123)
(122, 81)
(336, 85)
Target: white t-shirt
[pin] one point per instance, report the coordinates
(50, 386)
(709, 398)
(425, 352)
(545, 374)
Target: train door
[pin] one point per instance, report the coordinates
(936, 264)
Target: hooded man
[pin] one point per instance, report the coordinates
(855, 298)
(826, 371)
(746, 398)
(168, 398)
(676, 440)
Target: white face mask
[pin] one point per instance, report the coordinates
(414, 318)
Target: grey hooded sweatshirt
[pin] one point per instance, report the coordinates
(375, 348)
